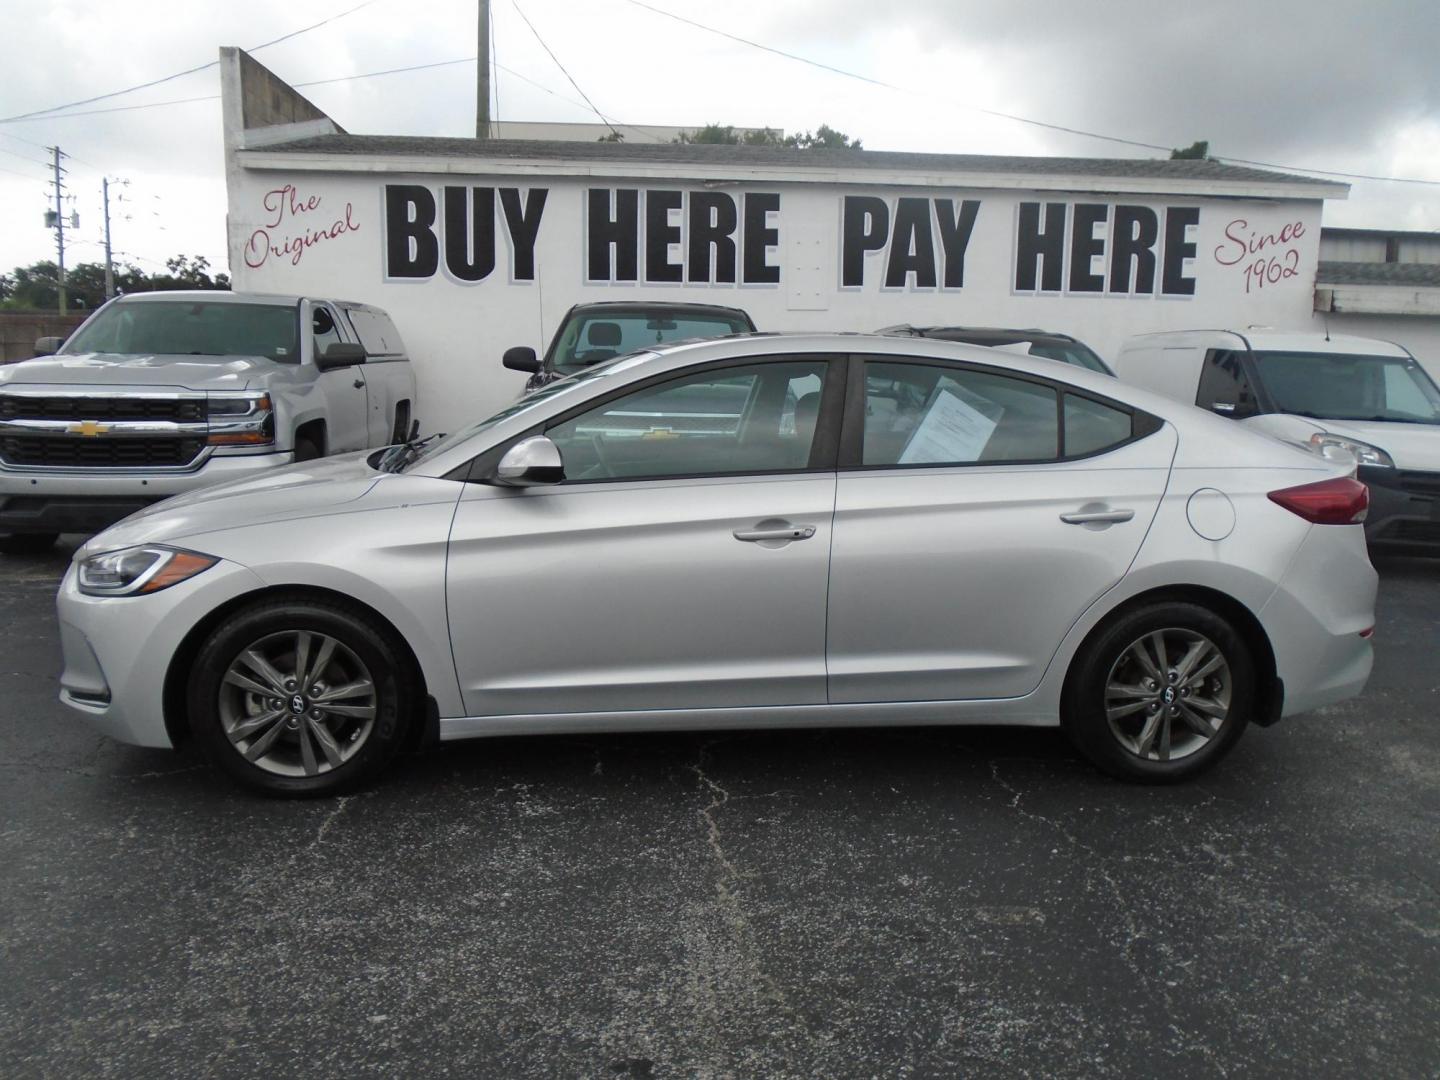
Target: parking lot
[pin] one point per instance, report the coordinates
(916, 902)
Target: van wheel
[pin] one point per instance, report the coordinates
(27, 543)
(1160, 694)
(298, 698)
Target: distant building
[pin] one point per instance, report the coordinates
(1382, 283)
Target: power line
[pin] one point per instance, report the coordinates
(561, 66)
(1004, 115)
(187, 71)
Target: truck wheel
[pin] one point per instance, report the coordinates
(299, 697)
(306, 449)
(27, 543)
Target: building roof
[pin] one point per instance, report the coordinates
(1404, 234)
(1422, 275)
(692, 154)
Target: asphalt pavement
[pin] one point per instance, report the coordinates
(887, 903)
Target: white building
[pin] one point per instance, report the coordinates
(474, 246)
(1382, 284)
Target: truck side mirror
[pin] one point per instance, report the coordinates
(47, 346)
(521, 358)
(340, 354)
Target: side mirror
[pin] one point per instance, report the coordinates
(521, 358)
(340, 354)
(529, 462)
(47, 346)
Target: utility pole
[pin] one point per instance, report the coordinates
(59, 226)
(109, 265)
(482, 75)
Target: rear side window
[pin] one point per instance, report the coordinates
(1224, 386)
(926, 414)
(376, 332)
(1092, 426)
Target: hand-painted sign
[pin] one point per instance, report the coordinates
(293, 225)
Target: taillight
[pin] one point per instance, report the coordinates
(1341, 501)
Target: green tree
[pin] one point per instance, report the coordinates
(35, 287)
(1196, 151)
(823, 138)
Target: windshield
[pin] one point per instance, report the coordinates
(589, 338)
(1071, 353)
(1337, 386)
(192, 327)
(525, 404)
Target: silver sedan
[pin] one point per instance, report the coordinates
(754, 532)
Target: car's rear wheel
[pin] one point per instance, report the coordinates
(27, 543)
(300, 698)
(1161, 693)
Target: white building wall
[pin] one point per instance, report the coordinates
(324, 233)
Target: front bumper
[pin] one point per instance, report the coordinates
(1404, 509)
(118, 649)
(58, 501)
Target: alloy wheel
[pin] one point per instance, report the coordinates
(1168, 694)
(297, 703)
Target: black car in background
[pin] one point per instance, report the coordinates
(592, 333)
(1046, 343)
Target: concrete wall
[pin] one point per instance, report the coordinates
(19, 329)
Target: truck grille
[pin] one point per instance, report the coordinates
(63, 451)
(59, 407)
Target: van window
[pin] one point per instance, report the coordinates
(1224, 386)
(1342, 386)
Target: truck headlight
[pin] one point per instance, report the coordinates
(136, 570)
(240, 419)
(1325, 444)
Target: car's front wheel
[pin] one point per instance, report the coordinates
(300, 698)
(1161, 693)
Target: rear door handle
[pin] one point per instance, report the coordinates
(1097, 517)
(787, 532)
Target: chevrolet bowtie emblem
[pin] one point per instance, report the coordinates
(89, 429)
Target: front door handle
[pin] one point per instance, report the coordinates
(778, 532)
(1097, 517)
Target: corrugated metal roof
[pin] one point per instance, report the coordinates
(1423, 275)
(699, 154)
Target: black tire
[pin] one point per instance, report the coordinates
(306, 448)
(27, 543)
(213, 703)
(1113, 747)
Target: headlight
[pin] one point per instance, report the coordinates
(132, 571)
(1325, 444)
(240, 419)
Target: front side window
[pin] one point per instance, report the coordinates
(755, 418)
(1071, 353)
(191, 328)
(591, 339)
(1339, 386)
(927, 414)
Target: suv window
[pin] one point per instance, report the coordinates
(1224, 387)
(756, 418)
(929, 414)
(602, 335)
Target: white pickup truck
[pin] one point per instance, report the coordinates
(160, 393)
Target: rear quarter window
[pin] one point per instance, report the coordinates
(1092, 426)
(376, 332)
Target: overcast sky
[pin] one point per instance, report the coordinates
(1319, 84)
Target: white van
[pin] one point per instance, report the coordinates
(1368, 398)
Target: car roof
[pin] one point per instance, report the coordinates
(226, 296)
(983, 335)
(1261, 339)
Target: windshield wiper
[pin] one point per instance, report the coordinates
(402, 454)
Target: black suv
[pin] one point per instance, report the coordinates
(1046, 343)
(592, 333)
